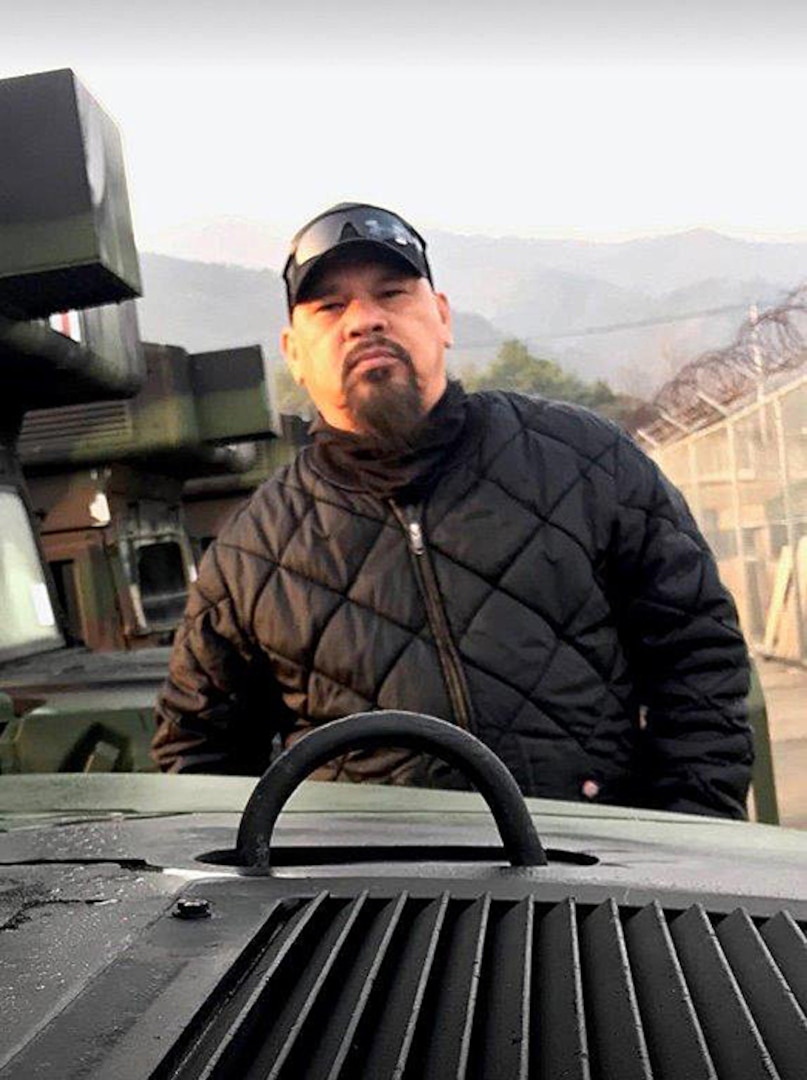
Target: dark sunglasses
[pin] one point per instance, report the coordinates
(337, 228)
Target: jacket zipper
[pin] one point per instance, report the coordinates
(450, 661)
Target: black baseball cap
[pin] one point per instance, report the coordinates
(348, 224)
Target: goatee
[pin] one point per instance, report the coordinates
(385, 402)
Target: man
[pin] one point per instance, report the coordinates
(516, 566)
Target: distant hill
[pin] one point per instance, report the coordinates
(564, 297)
(209, 306)
(203, 306)
(481, 270)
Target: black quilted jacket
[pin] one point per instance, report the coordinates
(552, 593)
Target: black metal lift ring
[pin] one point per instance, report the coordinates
(366, 731)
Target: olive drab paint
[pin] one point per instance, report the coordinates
(99, 435)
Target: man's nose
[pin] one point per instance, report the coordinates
(364, 315)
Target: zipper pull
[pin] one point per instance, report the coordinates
(416, 537)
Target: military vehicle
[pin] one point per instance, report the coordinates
(65, 244)
(107, 431)
(159, 927)
(208, 501)
(192, 926)
(107, 483)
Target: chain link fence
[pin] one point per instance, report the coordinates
(745, 479)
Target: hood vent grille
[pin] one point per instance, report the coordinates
(447, 988)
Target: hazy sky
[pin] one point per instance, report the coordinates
(543, 119)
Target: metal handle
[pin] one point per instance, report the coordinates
(367, 731)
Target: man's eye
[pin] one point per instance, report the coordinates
(327, 306)
(393, 290)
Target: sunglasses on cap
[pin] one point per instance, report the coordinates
(350, 224)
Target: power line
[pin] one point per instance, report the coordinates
(592, 331)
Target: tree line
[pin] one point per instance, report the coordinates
(515, 368)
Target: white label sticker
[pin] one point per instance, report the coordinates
(99, 509)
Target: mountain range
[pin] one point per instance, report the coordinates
(631, 312)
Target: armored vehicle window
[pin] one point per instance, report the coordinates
(163, 585)
(28, 623)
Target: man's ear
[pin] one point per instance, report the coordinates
(291, 352)
(444, 310)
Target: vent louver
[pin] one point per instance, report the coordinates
(52, 433)
(447, 988)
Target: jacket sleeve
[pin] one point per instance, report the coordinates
(220, 706)
(680, 631)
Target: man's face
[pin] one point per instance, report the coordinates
(368, 334)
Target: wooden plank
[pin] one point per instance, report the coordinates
(787, 639)
(790, 636)
(800, 575)
(781, 587)
(801, 566)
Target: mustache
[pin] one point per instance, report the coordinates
(372, 344)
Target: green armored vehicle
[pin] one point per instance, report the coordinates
(65, 244)
(107, 481)
(96, 557)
